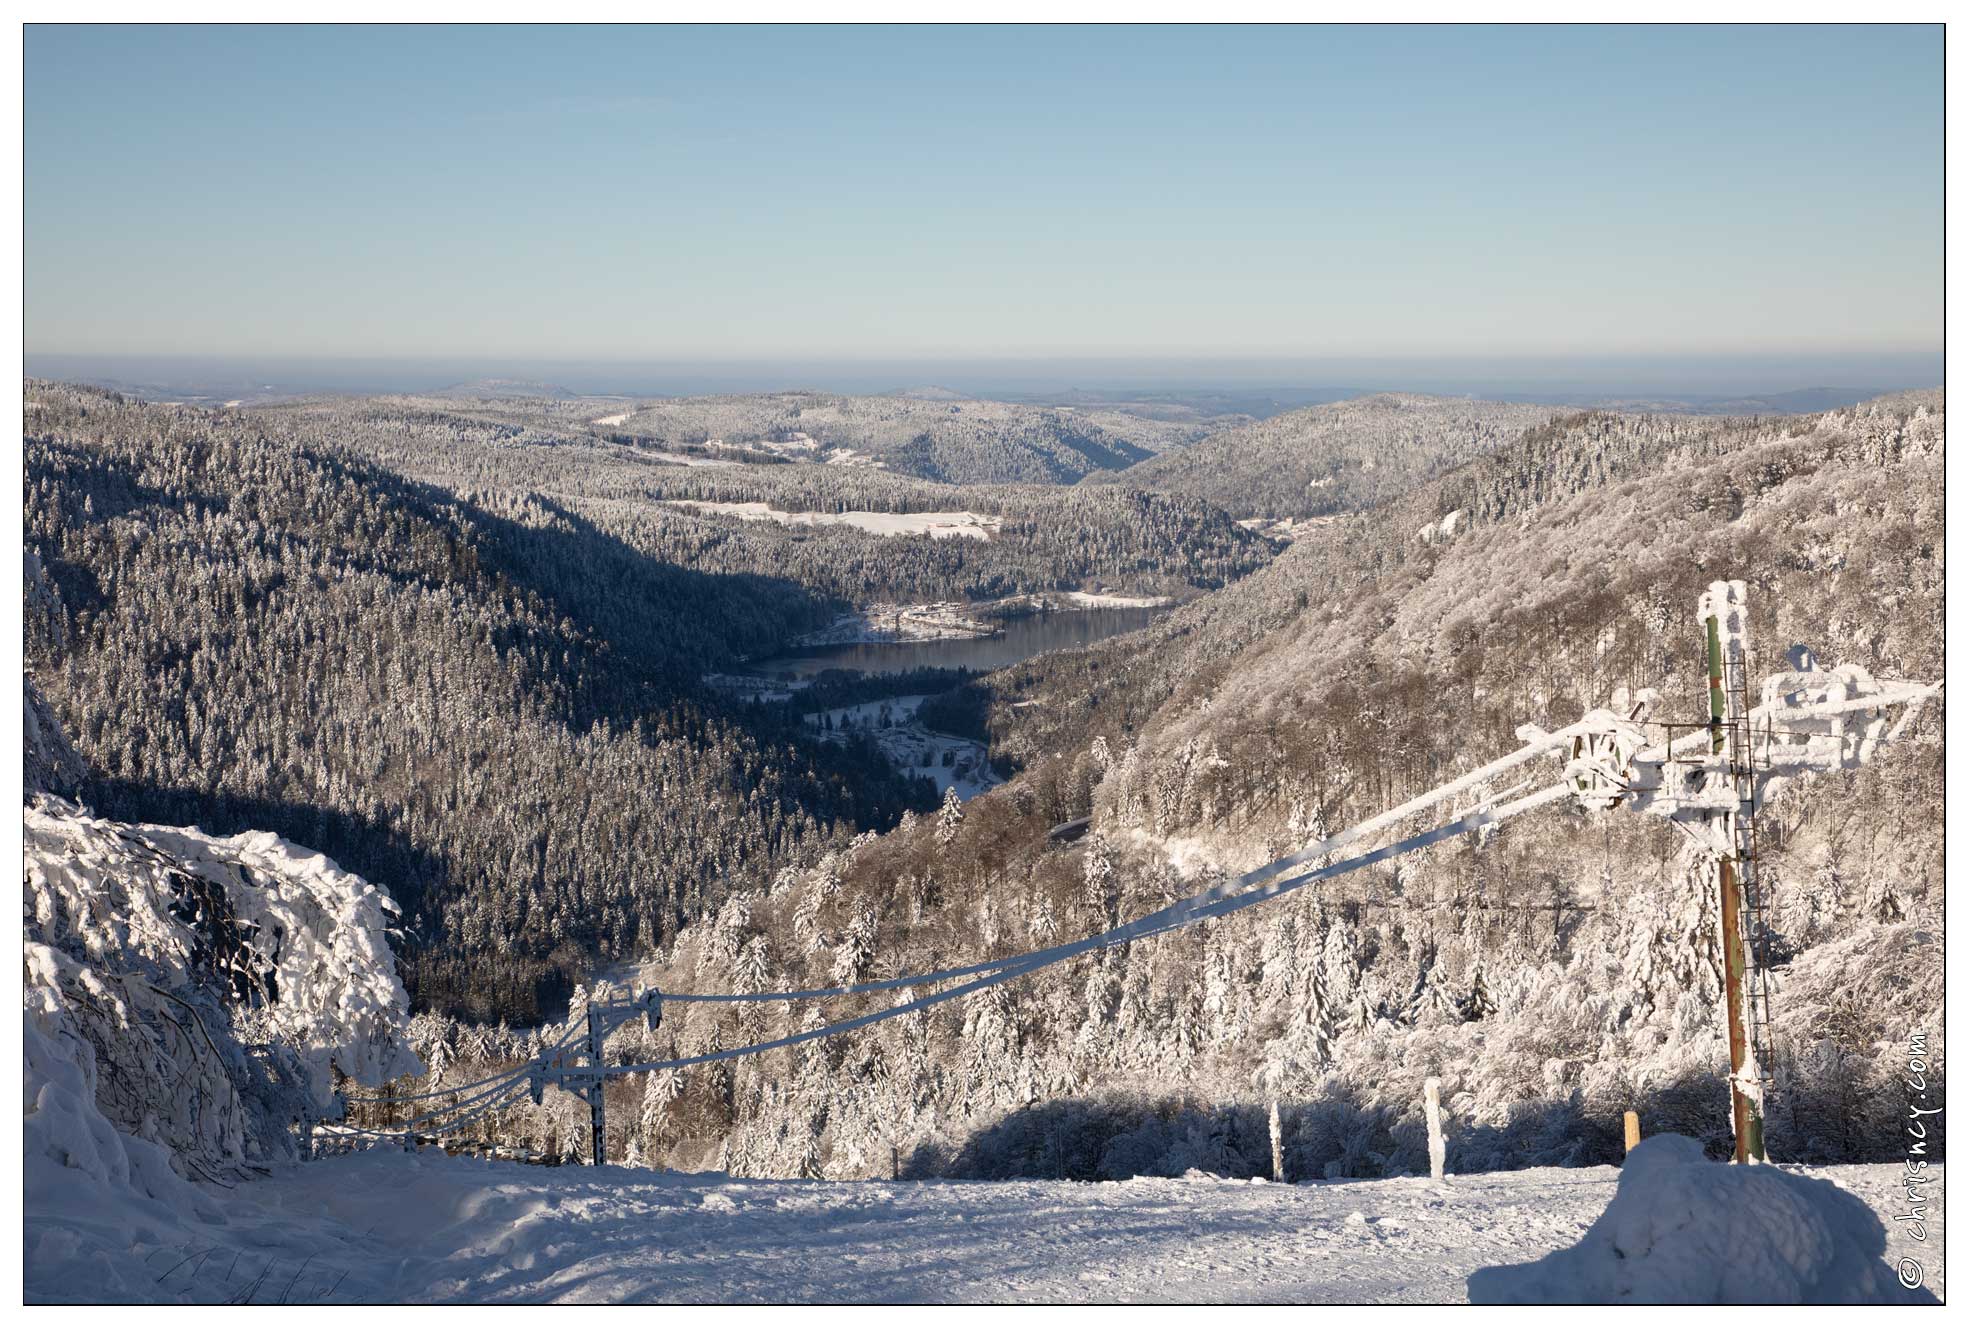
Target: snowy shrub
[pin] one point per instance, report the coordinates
(207, 990)
(1140, 1152)
(1212, 1142)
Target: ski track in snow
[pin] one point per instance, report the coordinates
(384, 1226)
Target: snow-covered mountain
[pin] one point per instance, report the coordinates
(1552, 975)
(1337, 457)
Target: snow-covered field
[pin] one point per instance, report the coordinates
(687, 459)
(390, 1227)
(936, 525)
(1284, 528)
(1108, 600)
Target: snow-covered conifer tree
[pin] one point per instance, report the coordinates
(857, 946)
(1097, 882)
(950, 817)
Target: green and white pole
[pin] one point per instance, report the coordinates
(1724, 599)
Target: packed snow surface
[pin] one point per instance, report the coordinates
(385, 1226)
(936, 525)
(1682, 1229)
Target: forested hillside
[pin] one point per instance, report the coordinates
(1334, 458)
(1345, 560)
(958, 441)
(933, 435)
(1555, 973)
(494, 712)
(1050, 538)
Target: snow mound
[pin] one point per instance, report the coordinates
(1683, 1230)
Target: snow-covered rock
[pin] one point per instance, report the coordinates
(1684, 1230)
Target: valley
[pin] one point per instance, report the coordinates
(974, 661)
(724, 749)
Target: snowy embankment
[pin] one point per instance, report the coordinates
(1108, 600)
(386, 1226)
(1684, 1230)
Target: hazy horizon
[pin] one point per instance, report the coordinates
(1287, 383)
(846, 194)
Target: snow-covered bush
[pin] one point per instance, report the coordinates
(195, 993)
(1684, 1230)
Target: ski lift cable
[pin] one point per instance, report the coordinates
(473, 1109)
(1181, 910)
(1224, 898)
(1149, 925)
(566, 1040)
(513, 1081)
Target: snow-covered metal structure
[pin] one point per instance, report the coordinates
(1710, 777)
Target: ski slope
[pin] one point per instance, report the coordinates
(386, 1226)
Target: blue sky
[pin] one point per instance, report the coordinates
(725, 193)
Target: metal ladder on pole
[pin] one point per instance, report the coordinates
(1754, 915)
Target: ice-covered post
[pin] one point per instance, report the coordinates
(597, 1123)
(1278, 1141)
(1270, 1078)
(1725, 600)
(1432, 1103)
